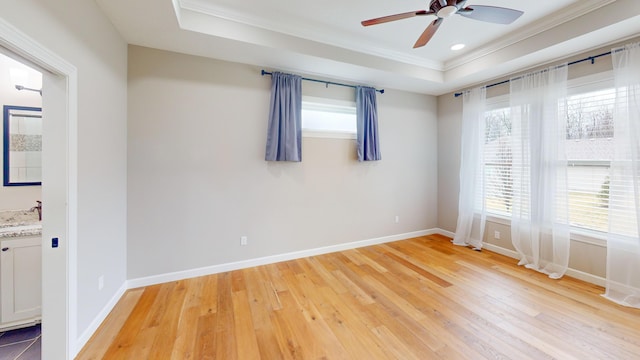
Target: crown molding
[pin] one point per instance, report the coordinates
(302, 31)
(568, 14)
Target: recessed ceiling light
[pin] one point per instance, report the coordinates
(457, 47)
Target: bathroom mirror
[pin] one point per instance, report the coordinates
(22, 146)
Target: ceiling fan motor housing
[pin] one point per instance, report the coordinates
(445, 8)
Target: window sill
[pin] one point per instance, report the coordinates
(589, 237)
(499, 219)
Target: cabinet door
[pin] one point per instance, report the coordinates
(20, 279)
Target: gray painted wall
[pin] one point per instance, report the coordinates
(77, 31)
(198, 180)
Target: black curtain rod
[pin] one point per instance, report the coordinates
(590, 58)
(327, 83)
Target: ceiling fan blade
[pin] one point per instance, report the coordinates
(395, 17)
(451, 2)
(492, 14)
(428, 33)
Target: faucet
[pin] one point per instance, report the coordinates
(39, 208)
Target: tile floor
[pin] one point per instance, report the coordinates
(21, 344)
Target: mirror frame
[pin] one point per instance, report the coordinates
(6, 144)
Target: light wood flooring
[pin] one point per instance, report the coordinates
(422, 298)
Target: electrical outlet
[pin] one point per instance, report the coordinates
(100, 282)
(243, 240)
(397, 219)
(496, 235)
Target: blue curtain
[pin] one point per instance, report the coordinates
(367, 124)
(284, 135)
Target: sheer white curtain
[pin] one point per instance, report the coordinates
(623, 245)
(471, 209)
(539, 220)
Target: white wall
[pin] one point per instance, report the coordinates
(198, 180)
(586, 256)
(77, 31)
(17, 197)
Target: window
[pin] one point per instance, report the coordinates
(328, 118)
(497, 161)
(589, 149)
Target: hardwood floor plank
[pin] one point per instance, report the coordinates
(186, 332)
(321, 268)
(112, 325)
(225, 319)
(126, 339)
(246, 341)
(206, 337)
(163, 343)
(291, 329)
(260, 313)
(209, 298)
(324, 340)
(151, 329)
(421, 298)
(352, 288)
(426, 274)
(396, 346)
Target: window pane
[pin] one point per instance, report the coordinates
(497, 158)
(589, 148)
(588, 187)
(328, 118)
(590, 115)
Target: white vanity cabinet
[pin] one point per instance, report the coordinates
(20, 281)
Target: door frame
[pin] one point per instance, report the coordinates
(59, 188)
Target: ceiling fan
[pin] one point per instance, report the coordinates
(444, 9)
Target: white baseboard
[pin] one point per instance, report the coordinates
(577, 274)
(97, 321)
(590, 278)
(500, 250)
(445, 233)
(243, 264)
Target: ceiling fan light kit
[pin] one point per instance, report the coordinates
(443, 9)
(447, 11)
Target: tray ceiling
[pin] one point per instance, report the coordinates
(325, 38)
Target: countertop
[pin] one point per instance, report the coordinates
(19, 223)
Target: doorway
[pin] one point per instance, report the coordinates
(59, 191)
(20, 195)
